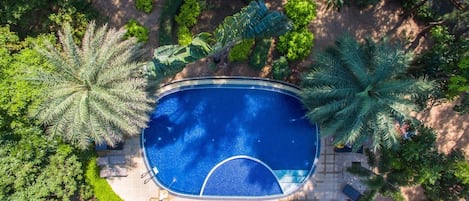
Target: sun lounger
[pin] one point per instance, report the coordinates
(114, 171)
(117, 160)
(102, 161)
(351, 192)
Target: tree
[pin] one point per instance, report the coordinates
(94, 92)
(253, 21)
(37, 168)
(357, 91)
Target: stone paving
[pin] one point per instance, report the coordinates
(325, 185)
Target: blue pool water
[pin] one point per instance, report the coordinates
(216, 140)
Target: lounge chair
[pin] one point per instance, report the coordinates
(117, 160)
(351, 192)
(102, 161)
(113, 171)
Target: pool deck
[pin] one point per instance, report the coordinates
(326, 184)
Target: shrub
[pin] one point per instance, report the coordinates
(134, 29)
(296, 44)
(170, 9)
(188, 14)
(301, 12)
(184, 36)
(259, 54)
(144, 5)
(240, 51)
(101, 188)
(280, 68)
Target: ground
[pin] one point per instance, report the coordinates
(382, 20)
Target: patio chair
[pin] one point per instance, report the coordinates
(102, 161)
(351, 192)
(114, 171)
(117, 160)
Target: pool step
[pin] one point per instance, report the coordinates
(290, 179)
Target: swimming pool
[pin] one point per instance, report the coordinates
(230, 137)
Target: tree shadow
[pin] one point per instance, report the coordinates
(383, 20)
(451, 127)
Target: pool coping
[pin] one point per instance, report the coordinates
(267, 84)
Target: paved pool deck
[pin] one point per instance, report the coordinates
(325, 185)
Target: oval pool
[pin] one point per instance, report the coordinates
(230, 137)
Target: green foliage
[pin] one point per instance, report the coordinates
(459, 83)
(258, 57)
(188, 14)
(451, 184)
(144, 5)
(170, 59)
(253, 21)
(187, 17)
(100, 186)
(240, 52)
(94, 93)
(446, 60)
(280, 68)
(184, 36)
(134, 29)
(20, 96)
(170, 10)
(357, 91)
(422, 9)
(77, 13)
(301, 12)
(417, 162)
(462, 171)
(36, 168)
(32, 17)
(296, 45)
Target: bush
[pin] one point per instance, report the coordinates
(188, 13)
(301, 12)
(296, 44)
(184, 36)
(101, 188)
(170, 9)
(240, 51)
(134, 29)
(280, 69)
(258, 58)
(144, 5)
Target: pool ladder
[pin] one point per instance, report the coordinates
(149, 172)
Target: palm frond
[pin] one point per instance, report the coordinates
(350, 52)
(94, 95)
(368, 80)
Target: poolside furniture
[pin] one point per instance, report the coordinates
(102, 161)
(117, 160)
(113, 171)
(351, 192)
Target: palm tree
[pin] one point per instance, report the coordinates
(94, 93)
(357, 91)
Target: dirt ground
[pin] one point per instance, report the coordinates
(382, 20)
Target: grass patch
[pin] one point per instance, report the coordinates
(102, 190)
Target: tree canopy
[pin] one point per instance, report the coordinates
(358, 91)
(94, 92)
